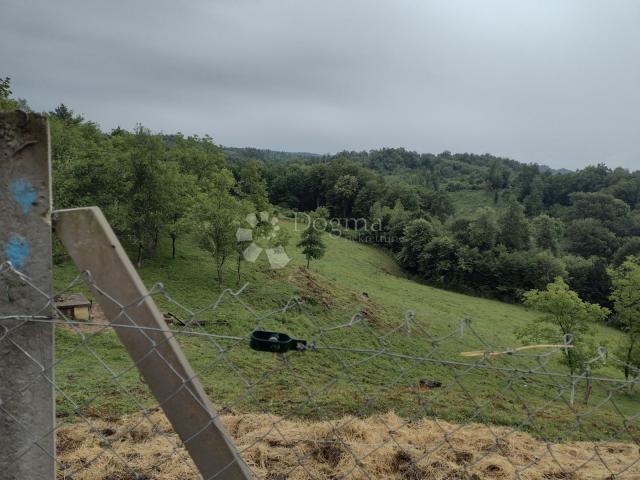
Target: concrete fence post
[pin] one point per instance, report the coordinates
(141, 327)
(27, 399)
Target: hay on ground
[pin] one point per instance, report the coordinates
(380, 447)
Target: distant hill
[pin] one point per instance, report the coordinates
(388, 160)
(235, 154)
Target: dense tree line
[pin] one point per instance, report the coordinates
(565, 243)
(539, 225)
(146, 184)
(152, 186)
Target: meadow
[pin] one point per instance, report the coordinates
(375, 364)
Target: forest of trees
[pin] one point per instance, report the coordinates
(152, 186)
(536, 224)
(565, 243)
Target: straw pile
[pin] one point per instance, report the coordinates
(386, 448)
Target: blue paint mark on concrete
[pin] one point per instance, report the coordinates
(17, 251)
(23, 193)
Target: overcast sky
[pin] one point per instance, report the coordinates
(548, 81)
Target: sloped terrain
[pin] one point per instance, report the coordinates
(336, 399)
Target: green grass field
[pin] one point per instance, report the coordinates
(467, 201)
(369, 367)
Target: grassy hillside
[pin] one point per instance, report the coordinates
(467, 201)
(375, 365)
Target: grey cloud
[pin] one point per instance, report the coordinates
(550, 81)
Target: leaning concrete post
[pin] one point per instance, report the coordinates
(135, 317)
(27, 415)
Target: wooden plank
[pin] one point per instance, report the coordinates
(27, 408)
(94, 247)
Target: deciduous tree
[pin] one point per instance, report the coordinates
(216, 220)
(626, 304)
(252, 187)
(515, 232)
(417, 234)
(588, 237)
(547, 233)
(564, 314)
(145, 204)
(484, 229)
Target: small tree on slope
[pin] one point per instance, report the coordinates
(564, 314)
(311, 242)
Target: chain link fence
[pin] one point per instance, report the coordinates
(304, 397)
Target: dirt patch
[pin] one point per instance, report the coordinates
(317, 290)
(329, 451)
(406, 467)
(370, 309)
(311, 290)
(380, 447)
